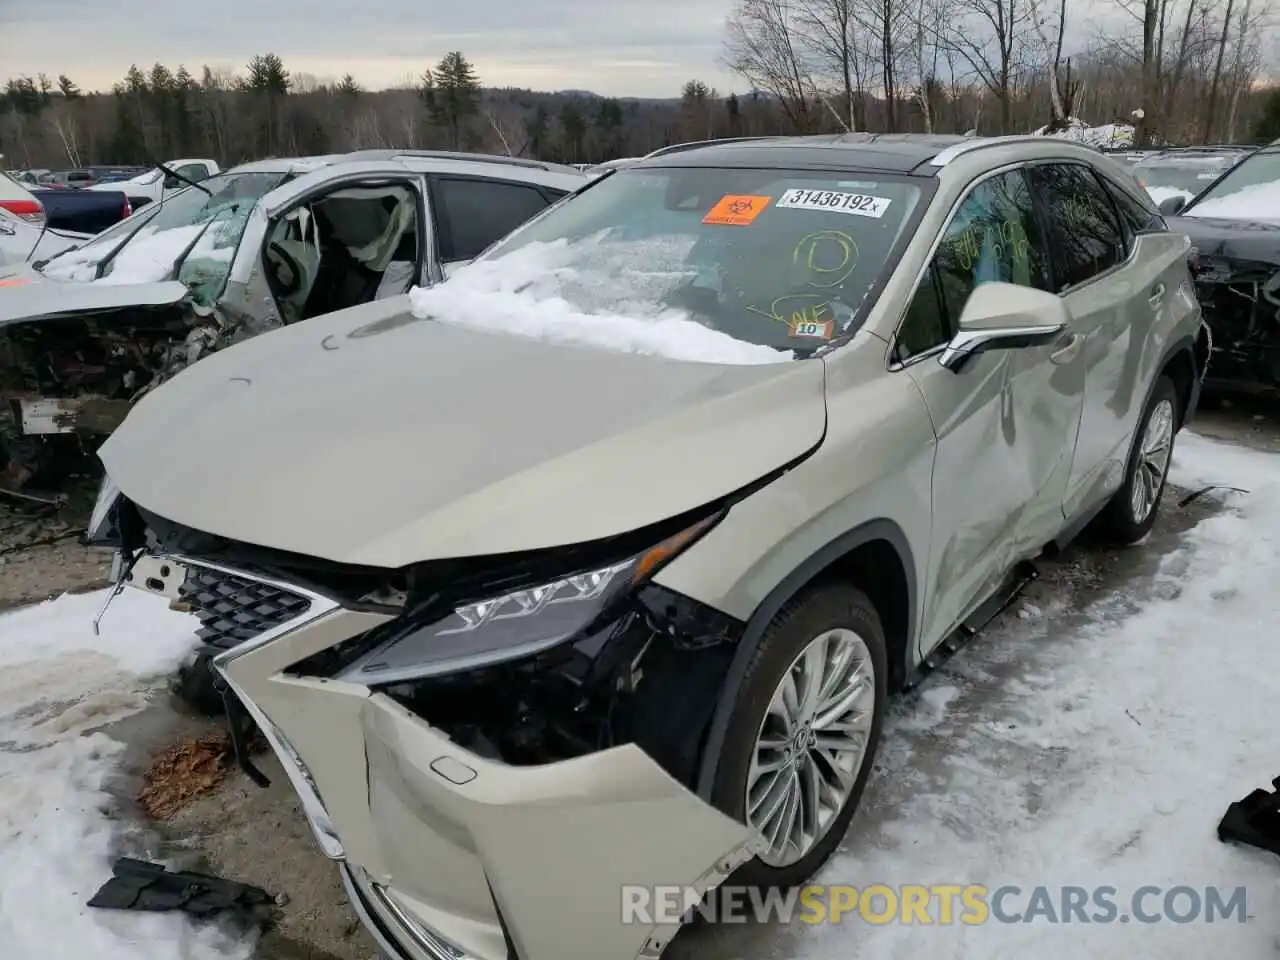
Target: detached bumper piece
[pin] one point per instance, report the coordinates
(139, 885)
(1254, 821)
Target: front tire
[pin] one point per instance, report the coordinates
(1132, 510)
(803, 733)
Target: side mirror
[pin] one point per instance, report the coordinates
(1004, 316)
(172, 183)
(1172, 206)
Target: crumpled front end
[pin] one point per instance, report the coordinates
(1241, 303)
(494, 810)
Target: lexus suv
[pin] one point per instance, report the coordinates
(603, 557)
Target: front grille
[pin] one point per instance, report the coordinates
(233, 609)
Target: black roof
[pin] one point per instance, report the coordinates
(880, 152)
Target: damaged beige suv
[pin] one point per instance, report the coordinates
(595, 565)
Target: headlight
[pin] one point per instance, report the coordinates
(101, 527)
(517, 624)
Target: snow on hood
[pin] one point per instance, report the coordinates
(1106, 135)
(1160, 194)
(148, 257)
(523, 293)
(1258, 202)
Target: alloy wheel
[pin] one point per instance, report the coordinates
(811, 745)
(1153, 453)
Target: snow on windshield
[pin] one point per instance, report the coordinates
(527, 293)
(1261, 201)
(147, 258)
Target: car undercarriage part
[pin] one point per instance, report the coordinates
(1255, 820)
(151, 887)
(1241, 304)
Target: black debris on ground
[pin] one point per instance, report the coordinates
(141, 885)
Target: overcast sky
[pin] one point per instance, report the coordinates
(611, 47)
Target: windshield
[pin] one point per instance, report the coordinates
(213, 221)
(771, 259)
(1251, 191)
(1182, 177)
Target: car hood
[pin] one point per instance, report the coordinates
(1257, 240)
(26, 294)
(371, 437)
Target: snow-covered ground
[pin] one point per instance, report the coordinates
(58, 835)
(1085, 747)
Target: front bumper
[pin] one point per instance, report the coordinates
(449, 855)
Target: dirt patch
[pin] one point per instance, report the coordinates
(40, 551)
(184, 772)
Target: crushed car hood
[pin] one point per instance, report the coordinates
(26, 294)
(1256, 240)
(371, 437)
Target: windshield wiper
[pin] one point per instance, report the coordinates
(187, 180)
(186, 251)
(100, 269)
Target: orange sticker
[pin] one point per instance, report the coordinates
(736, 211)
(14, 282)
(816, 329)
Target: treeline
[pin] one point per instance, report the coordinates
(813, 66)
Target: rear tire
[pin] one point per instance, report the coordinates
(837, 628)
(1133, 509)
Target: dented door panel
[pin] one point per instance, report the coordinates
(1006, 426)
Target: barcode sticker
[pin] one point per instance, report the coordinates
(858, 204)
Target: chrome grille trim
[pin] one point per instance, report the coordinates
(318, 607)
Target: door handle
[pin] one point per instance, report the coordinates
(1157, 296)
(1068, 350)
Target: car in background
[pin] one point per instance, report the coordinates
(18, 200)
(22, 241)
(1234, 226)
(1183, 172)
(261, 246)
(149, 186)
(606, 556)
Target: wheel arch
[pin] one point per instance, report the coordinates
(1185, 362)
(875, 556)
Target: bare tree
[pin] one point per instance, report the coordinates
(830, 31)
(1051, 36)
(766, 49)
(989, 36)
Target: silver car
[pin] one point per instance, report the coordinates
(530, 611)
(85, 331)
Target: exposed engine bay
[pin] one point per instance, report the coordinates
(66, 382)
(1241, 304)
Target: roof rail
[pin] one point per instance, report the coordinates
(694, 144)
(950, 153)
(448, 155)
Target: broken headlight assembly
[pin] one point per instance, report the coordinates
(514, 624)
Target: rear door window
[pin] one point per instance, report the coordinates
(1085, 229)
(475, 213)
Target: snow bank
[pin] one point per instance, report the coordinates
(525, 294)
(57, 840)
(1108, 135)
(1258, 202)
(1102, 752)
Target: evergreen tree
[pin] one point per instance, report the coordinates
(455, 95)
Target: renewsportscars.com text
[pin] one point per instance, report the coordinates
(940, 904)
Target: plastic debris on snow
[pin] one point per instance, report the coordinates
(1098, 748)
(1258, 202)
(57, 840)
(522, 294)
